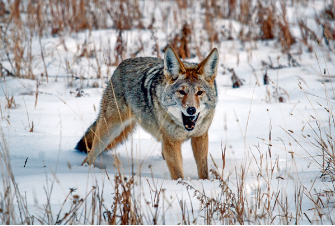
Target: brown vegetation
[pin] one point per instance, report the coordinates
(259, 21)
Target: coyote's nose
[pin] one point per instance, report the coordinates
(191, 110)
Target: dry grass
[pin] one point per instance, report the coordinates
(322, 138)
(231, 205)
(10, 101)
(22, 23)
(266, 21)
(180, 42)
(237, 82)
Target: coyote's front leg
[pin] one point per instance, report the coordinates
(200, 151)
(173, 158)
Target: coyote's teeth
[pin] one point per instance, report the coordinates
(189, 121)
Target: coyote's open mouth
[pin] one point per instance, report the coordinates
(189, 121)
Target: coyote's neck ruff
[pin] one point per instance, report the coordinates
(172, 100)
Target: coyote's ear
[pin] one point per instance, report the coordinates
(208, 67)
(172, 64)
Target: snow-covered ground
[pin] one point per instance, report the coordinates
(243, 120)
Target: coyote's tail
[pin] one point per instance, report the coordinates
(85, 143)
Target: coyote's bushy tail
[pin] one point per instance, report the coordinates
(87, 140)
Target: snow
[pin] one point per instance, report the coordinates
(243, 119)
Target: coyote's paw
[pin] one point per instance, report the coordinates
(85, 162)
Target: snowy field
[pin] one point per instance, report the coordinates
(263, 138)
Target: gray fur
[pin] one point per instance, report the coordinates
(149, 96)
(156, 94)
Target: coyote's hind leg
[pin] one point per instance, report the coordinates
(108, 133)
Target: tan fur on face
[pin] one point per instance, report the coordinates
(190, 100)
(191, 74)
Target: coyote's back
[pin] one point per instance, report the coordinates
(172, 100)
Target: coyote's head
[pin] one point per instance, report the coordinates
(190, 89)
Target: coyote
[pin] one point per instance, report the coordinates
(172, 100)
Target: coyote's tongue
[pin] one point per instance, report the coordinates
(189, 121)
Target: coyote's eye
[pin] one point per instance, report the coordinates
(200, 93)
(182, 92)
